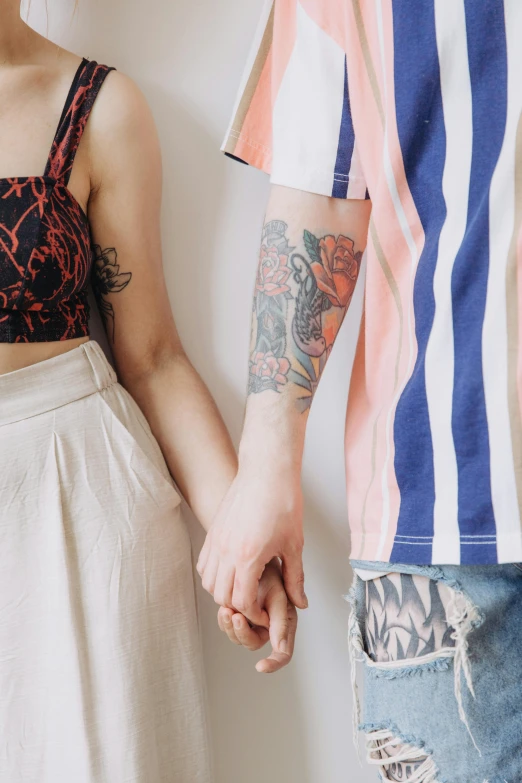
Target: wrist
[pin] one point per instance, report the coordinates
(277, 471)
(273, 450)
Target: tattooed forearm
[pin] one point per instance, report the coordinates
(107, 279)
(269, 365)
(300, 301)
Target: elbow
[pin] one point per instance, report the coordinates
(153, 360)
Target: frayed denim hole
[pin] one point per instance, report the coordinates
(356, 599)
(410, 739)
(409, 749)
(462, 615)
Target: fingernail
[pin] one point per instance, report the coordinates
(305, 601)
(283, 646)
(237, 622)
(226, 619)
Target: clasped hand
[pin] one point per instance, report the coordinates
(251, 563)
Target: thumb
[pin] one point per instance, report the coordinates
(293, 576)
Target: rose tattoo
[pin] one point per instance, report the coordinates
(300, 301)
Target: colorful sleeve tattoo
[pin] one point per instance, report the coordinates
(301, 297)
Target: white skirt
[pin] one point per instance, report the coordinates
(100, 666)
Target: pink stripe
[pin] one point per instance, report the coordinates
(285, 34)
(330, 17)
(364, 499)
(356, 183)
(403, 271)
(254, 138)
(383, 331)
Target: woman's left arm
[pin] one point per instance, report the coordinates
(124, 213)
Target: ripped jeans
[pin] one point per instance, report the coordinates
(442, 653)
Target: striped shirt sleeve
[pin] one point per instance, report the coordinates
(292, 117)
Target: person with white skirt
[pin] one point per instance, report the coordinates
(100, 667)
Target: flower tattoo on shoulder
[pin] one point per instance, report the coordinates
(107, 279)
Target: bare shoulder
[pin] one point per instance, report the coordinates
(120, 102)
(121, 129)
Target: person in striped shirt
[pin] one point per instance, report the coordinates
(392, 133)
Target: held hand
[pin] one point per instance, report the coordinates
(282, 622)
(259, 519)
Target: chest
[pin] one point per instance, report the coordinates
(31, 104)
(44, 232)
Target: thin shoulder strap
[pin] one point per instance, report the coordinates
(80, 100)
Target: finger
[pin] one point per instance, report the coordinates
(274, 663)
(239, 632)
(278, 608)
(208, 578)
(278, 660)
(244, 596)
(293, 576)
(226, 625)
(224, 585)
(203, 556)
(251, 638)
(224, 618)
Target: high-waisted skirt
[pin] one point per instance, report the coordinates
(100, 666)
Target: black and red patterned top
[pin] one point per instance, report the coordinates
(45, 241)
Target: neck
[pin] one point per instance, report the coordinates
(14, 33)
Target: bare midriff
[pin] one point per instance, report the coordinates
(16, 356)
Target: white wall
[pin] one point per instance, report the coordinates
(187, 56)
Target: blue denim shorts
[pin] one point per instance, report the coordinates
(454, 713)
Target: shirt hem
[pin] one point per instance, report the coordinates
(44, 336)
(317, 181)
(414, 549)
